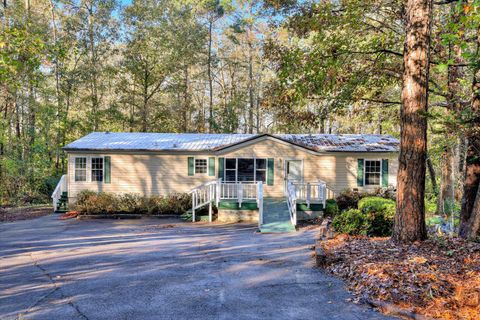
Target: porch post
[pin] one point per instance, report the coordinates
(260, 203)
(219, 190)
(309, 194)
(240, 194)
(210, 212)
(193, 207)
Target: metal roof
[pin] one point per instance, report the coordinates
(131, 141)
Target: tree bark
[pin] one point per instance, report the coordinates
(433, 177)
(446, 196)
(250, 81)
(410, 216)
(186, 99)
(210, 78)
(470, 206)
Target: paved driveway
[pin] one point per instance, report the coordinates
(150, 269)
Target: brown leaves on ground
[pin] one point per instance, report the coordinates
(69, 215)
(9, 214)
(438, 278)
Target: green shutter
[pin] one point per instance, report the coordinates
(191, 166)
(360, 173)
(221, 165)
(384, 172)
(211, 166)
(107, 163)
(270, 171)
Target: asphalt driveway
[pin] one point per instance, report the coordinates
(153, 269)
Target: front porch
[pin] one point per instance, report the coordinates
(245, 202)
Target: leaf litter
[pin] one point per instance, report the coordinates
(437, 278)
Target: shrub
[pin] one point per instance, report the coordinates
(377, 204)
(352, 221)
(348, 199)
(374, 217)
(89, 202)
(331, 208)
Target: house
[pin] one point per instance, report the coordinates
(163, 163)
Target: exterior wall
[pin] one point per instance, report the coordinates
(156, 174)
(145, 174)
(337, 169)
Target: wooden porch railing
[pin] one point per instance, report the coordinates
(312, 192)
(292, 202)
(216, 190)
(202, 195)
(59, 189)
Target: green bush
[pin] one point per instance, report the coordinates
(374, 217)
(352, 222)
(90, 202)
(331, 208)
(349, 198)
(377, 204)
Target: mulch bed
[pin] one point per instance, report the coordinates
(10, 214)
(438, 278)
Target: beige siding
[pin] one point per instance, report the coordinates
(148, 174)
(338, 170)
(144, 174)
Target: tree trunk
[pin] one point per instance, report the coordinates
(210, 78)
(186, 100)
(459, 173)
(446, 197)
(433, 178)
(410, 216)
(250, 83)
(470, 206)
(93, 71)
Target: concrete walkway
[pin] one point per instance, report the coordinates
(149, 269)
(276, 218)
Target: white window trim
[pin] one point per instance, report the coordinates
(103, 169)
(195, 166)
(285, 160)
(75, 169)
(365, 173)
(254, 169)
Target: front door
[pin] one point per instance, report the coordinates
(293, 171)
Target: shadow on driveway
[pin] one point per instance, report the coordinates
(154, 269)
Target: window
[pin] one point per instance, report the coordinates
(245, 170)
(373, 172)
(200, 165)
(230, 170)
(97, 169)
(81, 169)
(261, 170)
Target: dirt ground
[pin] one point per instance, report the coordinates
(10, 214)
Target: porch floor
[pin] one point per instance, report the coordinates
(276, 218)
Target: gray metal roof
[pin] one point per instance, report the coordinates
(105, 141)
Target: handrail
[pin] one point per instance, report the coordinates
(292, 202)
(216, 190)
(260, 203)
(59, 189)
(202, 195)
(311, 192)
